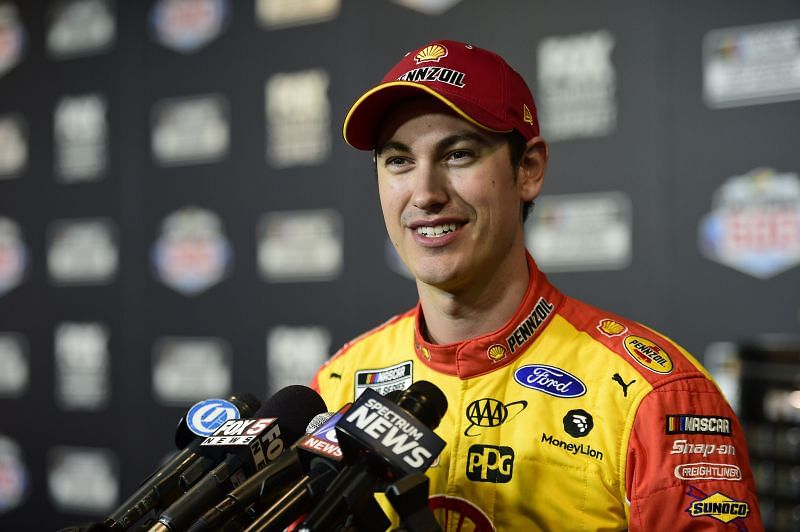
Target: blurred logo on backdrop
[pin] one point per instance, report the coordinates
(192, 253)
(750, 65)
(298, 118)
(186, 26)
(82, 364)
(82, 251)
(275, 14)
(14, 479)
(13, 145)
(83, 479)
(581, 232)
(188, 369)
(428, 7)
(300, 245)
(81, 138)
(294, 354)
(754, 223)
(14, 365)
(80, 28)
(13, 255)
(190, 130)
(576, 83)
(12, 37)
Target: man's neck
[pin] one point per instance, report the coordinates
(455, 316)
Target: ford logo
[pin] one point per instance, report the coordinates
(550, 380)
(206, 416)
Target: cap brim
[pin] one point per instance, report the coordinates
(362, 121)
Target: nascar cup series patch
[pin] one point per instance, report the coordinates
(385, 380)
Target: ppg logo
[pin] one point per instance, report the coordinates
(487, 463)
(207, 416)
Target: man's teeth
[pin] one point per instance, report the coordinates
(436, 230)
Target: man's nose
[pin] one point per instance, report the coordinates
(430, 188)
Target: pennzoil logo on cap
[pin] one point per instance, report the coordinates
(649, 354)
(433, 52)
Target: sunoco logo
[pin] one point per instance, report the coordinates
(716, 506)
(207, 416)
(550, 380)
(491, 413)
(648, 354)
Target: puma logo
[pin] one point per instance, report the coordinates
(616, 378)
(335, 376)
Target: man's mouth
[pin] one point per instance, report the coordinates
(433, 231)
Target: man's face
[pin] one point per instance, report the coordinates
(451, 199)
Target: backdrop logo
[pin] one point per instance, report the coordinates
(82, 251)
(13, 255)
(187, 369)
(550, 380)
(754, 223)
(190, 130)
(12, 37)
(13, 145)
(188, 25)
(81, 137)
(192, 254)
(577, 85)
(648, 353)
(80, 28)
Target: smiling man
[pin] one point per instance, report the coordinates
(561, 416)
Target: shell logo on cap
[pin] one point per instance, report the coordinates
(433, 52)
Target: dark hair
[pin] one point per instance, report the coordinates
(516, 149)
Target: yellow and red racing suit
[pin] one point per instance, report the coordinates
(566, 418)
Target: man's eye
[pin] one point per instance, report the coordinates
(458, 155)
(395, 161)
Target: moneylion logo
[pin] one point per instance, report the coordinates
(490, 413)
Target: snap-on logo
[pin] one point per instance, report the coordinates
(550, 380)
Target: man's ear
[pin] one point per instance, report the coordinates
(531, 169)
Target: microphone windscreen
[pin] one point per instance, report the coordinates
(425, 401)
(318, 421)
(294, 406)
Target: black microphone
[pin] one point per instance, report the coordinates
(381, 441)
(244, 446)
(163, 487)
(318, 457)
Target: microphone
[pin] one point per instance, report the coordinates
(163, 487)
(319, 456)
(380, 441)
(242, 447)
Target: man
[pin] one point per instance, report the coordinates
(561, 416)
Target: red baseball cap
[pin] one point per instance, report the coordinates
(475, 83)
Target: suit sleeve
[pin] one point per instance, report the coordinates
(687, 462)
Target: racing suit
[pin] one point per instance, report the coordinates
(566, 418)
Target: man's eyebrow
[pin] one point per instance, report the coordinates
(392, 145)
(466, 136)
(441, 145)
